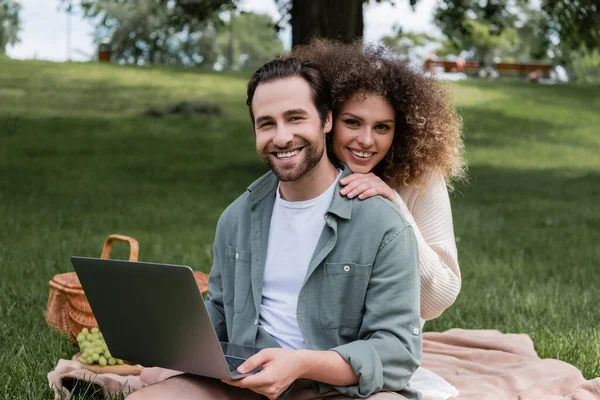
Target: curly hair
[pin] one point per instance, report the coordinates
(427, 138)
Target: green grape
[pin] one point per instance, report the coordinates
(94, 337)
(80, 338)
(95, 357)
(120, 362)
(89, 337)
(95, 330)
(102, 361)
(112, 361)
(107, 354)
(89, 360)
(98, 350)
(85, 331)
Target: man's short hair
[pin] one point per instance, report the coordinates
(288, 67)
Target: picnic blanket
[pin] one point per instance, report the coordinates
(489, 365)
(481, 364)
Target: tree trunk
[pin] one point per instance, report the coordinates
(332, 19)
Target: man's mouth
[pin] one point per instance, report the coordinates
(286, 154)
(361, 154)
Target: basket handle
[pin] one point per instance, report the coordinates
(134, 247)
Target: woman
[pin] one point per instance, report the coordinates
(397, 130)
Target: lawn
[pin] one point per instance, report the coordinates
(78, 162)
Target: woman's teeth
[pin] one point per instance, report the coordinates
(361, 154)
(287, 155)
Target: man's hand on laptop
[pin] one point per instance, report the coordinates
(280, 368)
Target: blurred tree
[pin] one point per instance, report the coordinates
(484, 28)
(248, 40)
(405, 44)
(9, 23)
(576, 22)
(534, 43)
(150, 32)
(335, 19)
(585, 65)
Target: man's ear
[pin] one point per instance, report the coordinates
(328, 122)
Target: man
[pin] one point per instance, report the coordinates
(328, 286)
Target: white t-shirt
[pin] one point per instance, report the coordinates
(294, 233)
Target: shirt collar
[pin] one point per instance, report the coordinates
(267, 184)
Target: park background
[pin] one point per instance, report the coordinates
(83, 153)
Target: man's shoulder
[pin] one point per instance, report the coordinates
(241, 206)
(378, 210)
(237, 208)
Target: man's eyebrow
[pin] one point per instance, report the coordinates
(262, 118)
(295, 111)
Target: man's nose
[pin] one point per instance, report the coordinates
(365, 139)
(283, 136)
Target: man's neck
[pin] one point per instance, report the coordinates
(312, 184)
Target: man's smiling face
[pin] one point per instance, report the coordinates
(290, 137)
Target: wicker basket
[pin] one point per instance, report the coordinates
(68, 309)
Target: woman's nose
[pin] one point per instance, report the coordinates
(365, 139)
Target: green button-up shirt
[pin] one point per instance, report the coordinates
(360, 295)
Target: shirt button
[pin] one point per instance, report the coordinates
(416, 331)
(346, 268)
(237, 255)
(256, 322)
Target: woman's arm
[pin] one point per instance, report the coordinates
(428, 210)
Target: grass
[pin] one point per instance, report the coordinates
(78, 162)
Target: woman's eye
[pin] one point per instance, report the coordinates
(351, 122)
(383, 128)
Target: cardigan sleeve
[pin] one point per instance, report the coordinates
(428, 210)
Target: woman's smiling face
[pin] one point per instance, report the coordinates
(363, 131)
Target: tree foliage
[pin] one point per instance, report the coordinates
(551, 31)
(152, 32)
(575, 22)
(405, 44)
(248, 40)
(10, 23)
(484, 28)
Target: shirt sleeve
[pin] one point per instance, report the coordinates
(214, 300)
(389, 345)
(428, 210)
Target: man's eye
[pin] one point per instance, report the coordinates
(295, 119)
(264, 125)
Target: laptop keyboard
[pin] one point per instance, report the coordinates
(234, 363)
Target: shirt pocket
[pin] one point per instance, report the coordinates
(238, 261)
(343, 292)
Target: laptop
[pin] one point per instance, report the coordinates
(154, 315)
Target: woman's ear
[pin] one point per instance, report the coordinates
(328, 122)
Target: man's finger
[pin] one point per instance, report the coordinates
(254, 381)
(255, 361)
